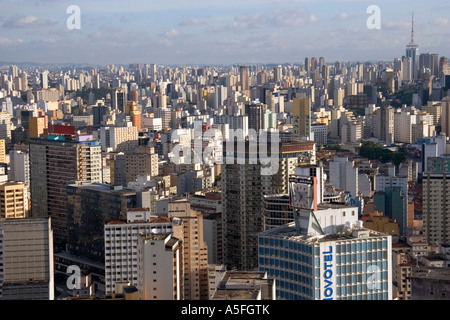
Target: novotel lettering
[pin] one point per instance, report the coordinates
(328, 274)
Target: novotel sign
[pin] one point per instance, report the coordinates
(328, 271)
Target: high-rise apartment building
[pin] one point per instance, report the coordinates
(254, 111)
(5, 126)
(26, 257)
(2, 151)
(435, 207)
(194, 251)
(445, 115)
(277, 74)
(160, 267)
(36, 126)
(43, 76)
(120, 139)
(125, 168)
(344, 175)
(89, 206)
(429, 62)
(301, 118)
(19, 166)
(119, 99)
(383, 126)
(121, 242)
(13, 200)
(243, 187)
(245, 80)
(55, 162)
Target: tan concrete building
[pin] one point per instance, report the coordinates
(2, 151)
(13, 200)
(36, 126)
(195, 252)
(26, 256)
(160, 267)
(402, 263)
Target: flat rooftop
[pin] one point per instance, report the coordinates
(289, 231)
(440, 274)
(241, 285)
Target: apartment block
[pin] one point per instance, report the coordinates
(13, 200)
(56, 161)
(195, 250)
(26, 259)
(160, 267)
(121, 245)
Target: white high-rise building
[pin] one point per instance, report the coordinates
(121, 241)
(403, 122)
(160, 266)
(19, 167)
(344, 175)
(44, 79)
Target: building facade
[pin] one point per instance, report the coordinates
(56, 161)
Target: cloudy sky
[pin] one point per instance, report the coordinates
(217, 32)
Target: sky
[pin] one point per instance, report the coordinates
(201, 32)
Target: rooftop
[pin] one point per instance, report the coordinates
(241, 285)
(289, 231)
(440, 274)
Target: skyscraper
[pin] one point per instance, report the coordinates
(301, 115)
(13, 200)
(243, 188)
(44, 79)
(429, 61)
(245, 80)
(26, 257)
(435, 207)
(122, 238)
(412, 52)
(160, 267)
(56, 161)
(254, 111)
(277, 73)
(195, 250)
(119, 99)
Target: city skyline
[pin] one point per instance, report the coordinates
(217, 33)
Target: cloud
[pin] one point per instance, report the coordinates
(29, 21)
(171, 33)
(442, 22)
(5, 42)
(292, 18)
(398, 25)
(276, 19)
(190, 22)
(342, 16)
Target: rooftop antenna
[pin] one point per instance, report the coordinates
(412, 29)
